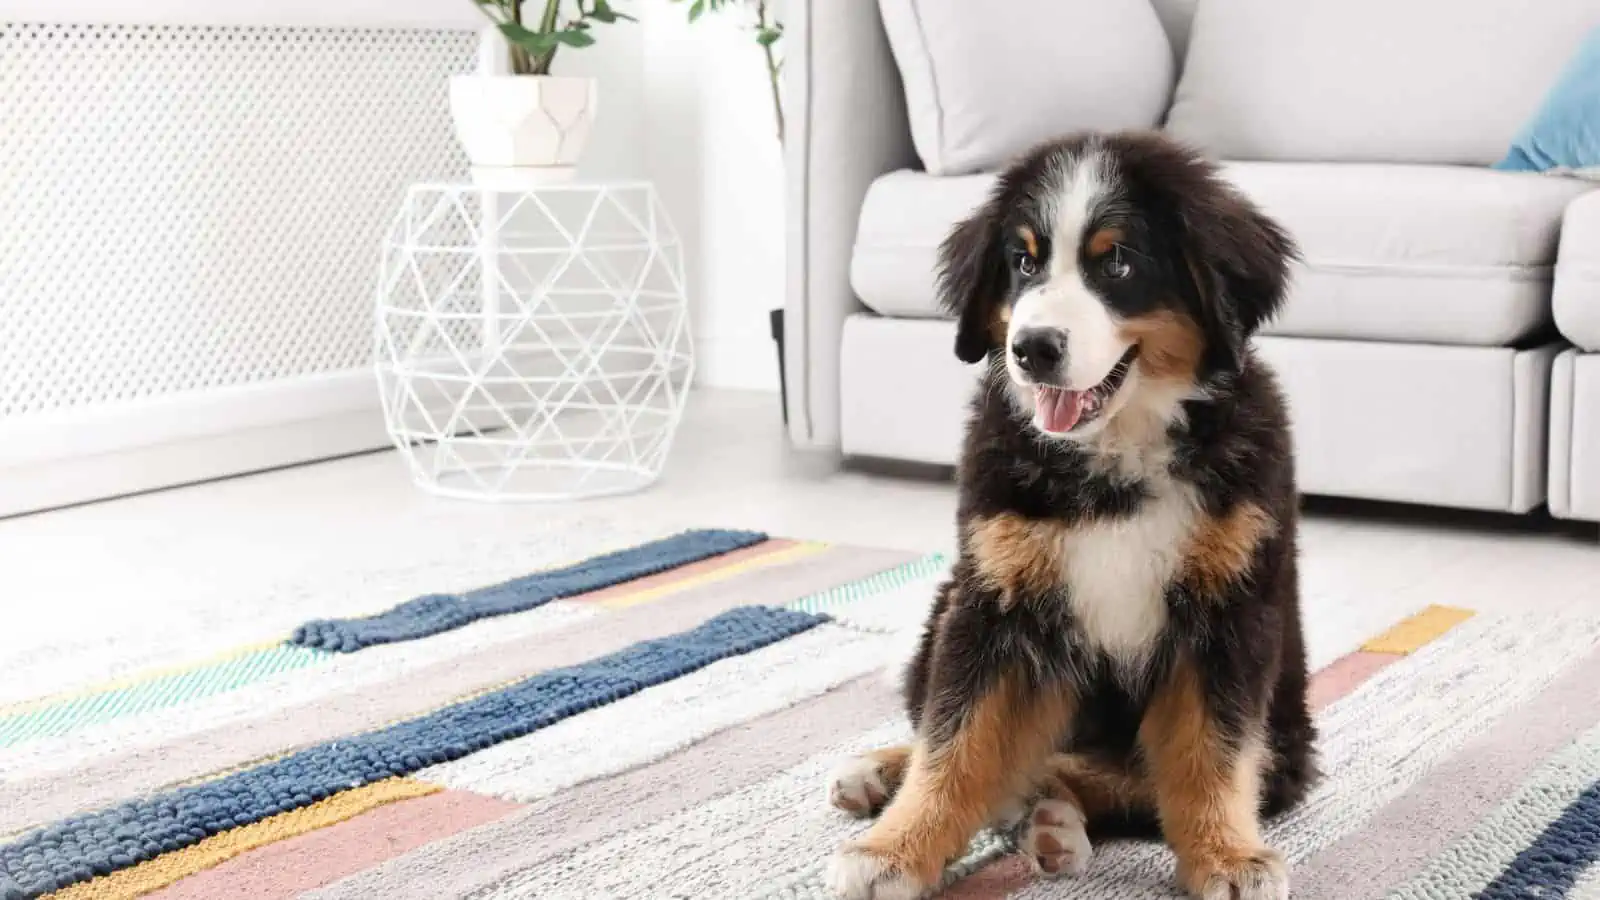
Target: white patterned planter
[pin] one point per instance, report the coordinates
(537, 122)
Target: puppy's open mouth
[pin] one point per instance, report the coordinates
(1061, 410)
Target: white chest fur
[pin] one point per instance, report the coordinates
(1117, 573)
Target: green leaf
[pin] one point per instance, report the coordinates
(766, 37)
(603, 12)
(574, 37)
(696, 10)
(531, 41)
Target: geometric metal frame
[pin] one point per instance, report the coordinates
(532, 342)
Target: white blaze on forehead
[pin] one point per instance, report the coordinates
(1064, 300)
(1078, 195)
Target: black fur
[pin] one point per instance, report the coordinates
(1206, 252)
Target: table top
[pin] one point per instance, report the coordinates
(533, 186)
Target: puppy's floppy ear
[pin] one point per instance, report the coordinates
(974, 278)
(1239, 259)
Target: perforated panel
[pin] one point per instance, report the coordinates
(186, 207)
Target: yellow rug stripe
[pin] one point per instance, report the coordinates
(155, 874)
(798, 551)
(1413, 633)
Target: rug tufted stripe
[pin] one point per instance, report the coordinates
(79, 848)
(433, 613)
(312, 709)
(1553, 862)
(298, 863)
(170, 868)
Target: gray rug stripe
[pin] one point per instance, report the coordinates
(1404, 836)
(756, 750)
(147, 769)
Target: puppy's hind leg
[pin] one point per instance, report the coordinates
(1074, 791)
(863, 785)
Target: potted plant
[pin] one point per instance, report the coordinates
(513, 114)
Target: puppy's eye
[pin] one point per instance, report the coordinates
(1114, 268)
(1027, 266)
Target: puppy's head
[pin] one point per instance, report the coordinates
(1103, 266)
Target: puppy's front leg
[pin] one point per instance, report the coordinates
(976, 750)
(1206, 768)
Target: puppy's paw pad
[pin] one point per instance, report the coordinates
(1257, 876)
(1054, 837)
(858, 787)
(858, 874)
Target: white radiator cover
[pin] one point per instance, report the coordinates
(190, 219)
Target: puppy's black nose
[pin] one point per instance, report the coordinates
(1040, 351)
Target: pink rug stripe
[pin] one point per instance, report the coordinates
(1344, 675)
(307, 861)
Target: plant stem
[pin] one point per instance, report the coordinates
(772, 69)
(520, 63)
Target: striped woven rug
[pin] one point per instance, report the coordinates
(658, 721)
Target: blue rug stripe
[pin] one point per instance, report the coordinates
(82, 847)
(1555, 860)
(434, 613)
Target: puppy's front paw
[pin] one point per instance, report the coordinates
(857, 873)
(1257, 875)
(1055, 838)
(859, 787)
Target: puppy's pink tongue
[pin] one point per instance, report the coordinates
(1058, 409)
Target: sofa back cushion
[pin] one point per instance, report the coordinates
(1442, 81)
(986, 81)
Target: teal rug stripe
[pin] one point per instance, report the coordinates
(887, 580)
(161, 692)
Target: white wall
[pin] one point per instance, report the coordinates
(686, 106)
(712, 150)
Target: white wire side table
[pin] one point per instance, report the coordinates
(532, 343)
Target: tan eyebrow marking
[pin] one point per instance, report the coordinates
(1101, 242)
(1028, 239)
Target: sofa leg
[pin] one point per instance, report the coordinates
(776, 320)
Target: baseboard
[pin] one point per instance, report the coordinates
(74, 456)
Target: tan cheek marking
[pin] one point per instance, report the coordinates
(1101, 242)
(1017, 557)
(1029, 240)
(1221, 549)
(1170, 344)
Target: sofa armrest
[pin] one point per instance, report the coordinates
(847, 125)
(1576, 292)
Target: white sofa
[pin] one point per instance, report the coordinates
(1419, 342)
(1575, 383)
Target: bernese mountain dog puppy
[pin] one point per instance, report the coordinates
(1118, 647)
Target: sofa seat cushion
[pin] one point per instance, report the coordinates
(1577, 287)
(1427, 254)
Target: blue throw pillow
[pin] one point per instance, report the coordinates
(1565, 133)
